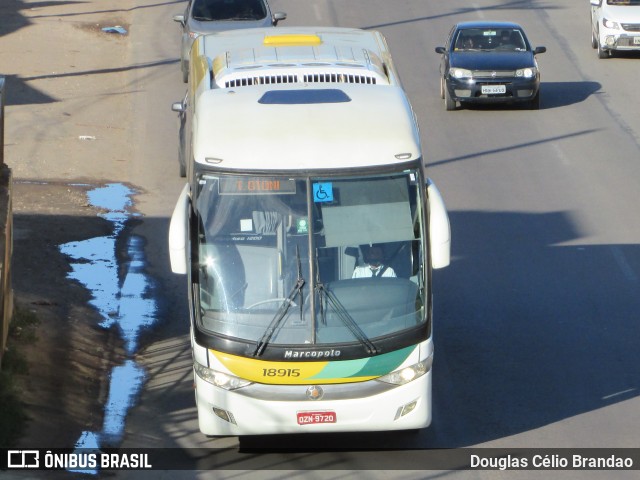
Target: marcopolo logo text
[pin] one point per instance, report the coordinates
(312, 353)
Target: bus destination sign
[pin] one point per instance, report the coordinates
(256, 186)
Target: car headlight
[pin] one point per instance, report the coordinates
(529, 72)
(219, 379)
(460, 73)
(610, 24)
(407, 374)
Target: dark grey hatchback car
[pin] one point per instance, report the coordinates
(208, 16)
(489, 62)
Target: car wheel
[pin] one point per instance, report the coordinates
(594, 40)
(602, 53)
(449, 103)
(534, 104)
(442, 87)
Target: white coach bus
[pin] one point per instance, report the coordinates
(308, 231)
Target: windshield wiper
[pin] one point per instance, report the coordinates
(282, 310)
(345, 317)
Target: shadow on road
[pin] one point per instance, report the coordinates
(536, 333)
(564, 94)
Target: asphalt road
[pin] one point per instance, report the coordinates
(536, 330)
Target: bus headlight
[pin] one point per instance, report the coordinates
(408, 374)
(219, 379)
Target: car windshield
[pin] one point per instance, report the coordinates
(494, 39)
(217, 10)
(295, 260)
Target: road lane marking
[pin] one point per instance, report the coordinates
(617, 394)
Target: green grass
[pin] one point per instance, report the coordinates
(13, 418)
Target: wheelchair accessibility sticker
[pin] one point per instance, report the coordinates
(323, 192)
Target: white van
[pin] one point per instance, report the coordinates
(615, 25)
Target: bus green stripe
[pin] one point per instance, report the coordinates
(367, 367)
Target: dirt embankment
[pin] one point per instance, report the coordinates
(61, 67)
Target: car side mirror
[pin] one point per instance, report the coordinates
(277, 17)
(595, 3)
(179, 19)
(178, 107)
(440, 50)
(539, 50)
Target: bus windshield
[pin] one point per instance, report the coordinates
(309, 260)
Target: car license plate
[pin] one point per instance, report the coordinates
(493, 89)
(636, 40)
(309, 418)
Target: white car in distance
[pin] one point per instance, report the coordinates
(615, 26)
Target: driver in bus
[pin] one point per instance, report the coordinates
(374, 266)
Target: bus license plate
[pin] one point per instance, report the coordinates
(493, 89)
(309, 418)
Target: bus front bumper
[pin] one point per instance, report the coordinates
(222, 413)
